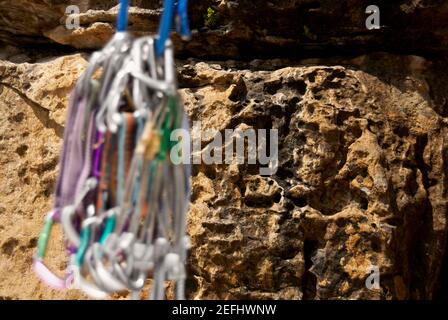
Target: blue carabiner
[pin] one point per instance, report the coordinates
(171, 7)
(122, 19)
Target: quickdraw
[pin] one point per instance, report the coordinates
(120, 199)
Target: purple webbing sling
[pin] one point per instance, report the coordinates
(72, 155)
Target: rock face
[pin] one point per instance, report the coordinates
(362, 178)
(235, 30)
(361, 182)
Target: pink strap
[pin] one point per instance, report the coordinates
(48, 277)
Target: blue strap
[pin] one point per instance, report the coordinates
(85, 238)
(165, 26)
(183, 27)
(108, 228)
(122, 19)
(171, 7)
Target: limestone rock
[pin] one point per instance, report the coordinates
(361, 181)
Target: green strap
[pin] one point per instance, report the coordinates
(166, 129)
(43, 238)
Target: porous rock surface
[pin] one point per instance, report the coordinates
(361, 182)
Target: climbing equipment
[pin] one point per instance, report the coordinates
(120, 199)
